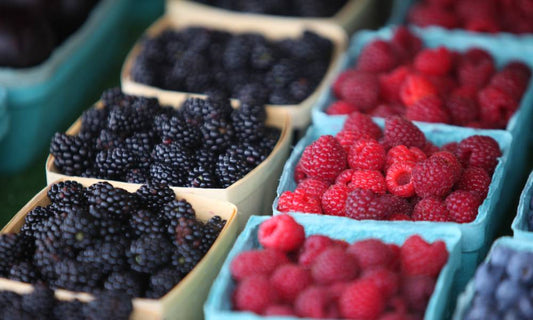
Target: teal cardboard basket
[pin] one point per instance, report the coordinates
(520, 222)
(466, 297)
(218, 304)
(476, 235)
(42, 99)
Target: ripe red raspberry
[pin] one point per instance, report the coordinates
(420, 258)
(444, 84)
(314, 302)
(399, 179)
(255, 294)
(279, 310)
(465, 91)
(312, 247)
(479, 151)
(361, 90)
(298, 202)
(395, 316)
(340, 107)
(431, 209)
(416, 87)
(442, 3)
(518, 67)
(334, 200)
(424, 15)
(336, 289)
(406, 44)
(362, 300)
(417, 291)
(391, 82)
(395, 250)
(400, 131)
(451, 147)
(282, 233)
(497, 107)
(452, 161)
(365, 204)
(399, 217)
(312, 187)
(437, 61)
(368, 179)
(475, 8)
(345, 177)
(475, 180)
(366, 154)
(388, 110)
(462, 110)
(324, 159)
(377, 56)
(334, 264)
(289, 280)
(371, 253)
(429, 149)
(462, 206)
(396, 205)
(256, 262)
(362, 123)
(347, 138)
(401, 153)
(299, 175)
(482, 24)
(475, 68)
(510, 82)
(398, 304)
(339, 82)
(433, 177)
(428, 109)
(386, 280)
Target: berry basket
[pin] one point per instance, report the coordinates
(476, 235)
(185, 300)
(218, 304)
(355, 14)
(253, 193)
(43, 98)
(520, 224)
(269, 27)
(465, 298)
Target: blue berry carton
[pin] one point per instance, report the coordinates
(218, 304)
(476, 236)
(466, 297)
(521, 222)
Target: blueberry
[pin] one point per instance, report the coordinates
(487, 278)
(500, 256)
(520, 267)
(508, 293)
(481, 312)
(525, 305)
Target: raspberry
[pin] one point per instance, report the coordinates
(475, 180)
(279, 310)
(339, 82)
(345, 177)
(377, 56)
(482, 24)
(433, 177)
(371, 253)
(314, 302)
(398, 304)
(416, 87)
(365, 204)
(312, 187)
(394, 316)
(401, 153)
(366, 154)
(510, 82)
(334, 264)
(298, 202)
(347, 138)
(334, 200)
(391, 83)
(452, 161)
(417, 291)
(369, 180)
(362, 300)
(475, 68)
(475, 8)
(299, 175)
(399, 179)
(450, 147)
(281, 232)
(340, 107)
(388, 110)
(254, 293)
(362, 123)
(324, 159)
(497, 107)
(430, 209)
(428, 109)
(436, 61)
(312, 247)
(444, 84)
(395, 260)
(462, 206)
(289, 280)
(424, 15)
(386, 280)
(396, 205)
(399, 217)
(420, 258)
(469, 92)
(405, 43)
(256, 262)
(518, 67)
(429, 149)
(479, 151)
(400, 131)
(462, 109)
(361, 90)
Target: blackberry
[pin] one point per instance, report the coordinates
(117, 203)
(127, 120)
(162, 282)
(253, 94)
(162, 174)
(145, 222)
(263, 56)
(185, 258)
(236, 162)
(281, 96)
(145, 71)
(217, 135)
(174, 210)
(189, 231)
(282, 74)
(129, 282)
(71, 154)
(269, 140)
(109, 305)
(34, 219)
(140, 145)
(249, 123)
(177, 129)
(113, 163)
(24, 272)
(300, 89)
(46, 258)
(94, 120)
(105, 257)
(173, 155)
(216, 223)
(205, 158)
(112, 231)
(9, 252)
(9, 299)
(201, 177)
(78, 230)
(218, 106)
(69, 310)
(76, 276)
(115, 97)
(108, 140)
(196, 110)
(154, 196)
(40, 302)
(137, 175)
(149, 253)
(237, 53)
(69, 192)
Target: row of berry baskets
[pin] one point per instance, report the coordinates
(388, 219)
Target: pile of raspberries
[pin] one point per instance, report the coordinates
(364, 173)
(321, 277)
(399, 77)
